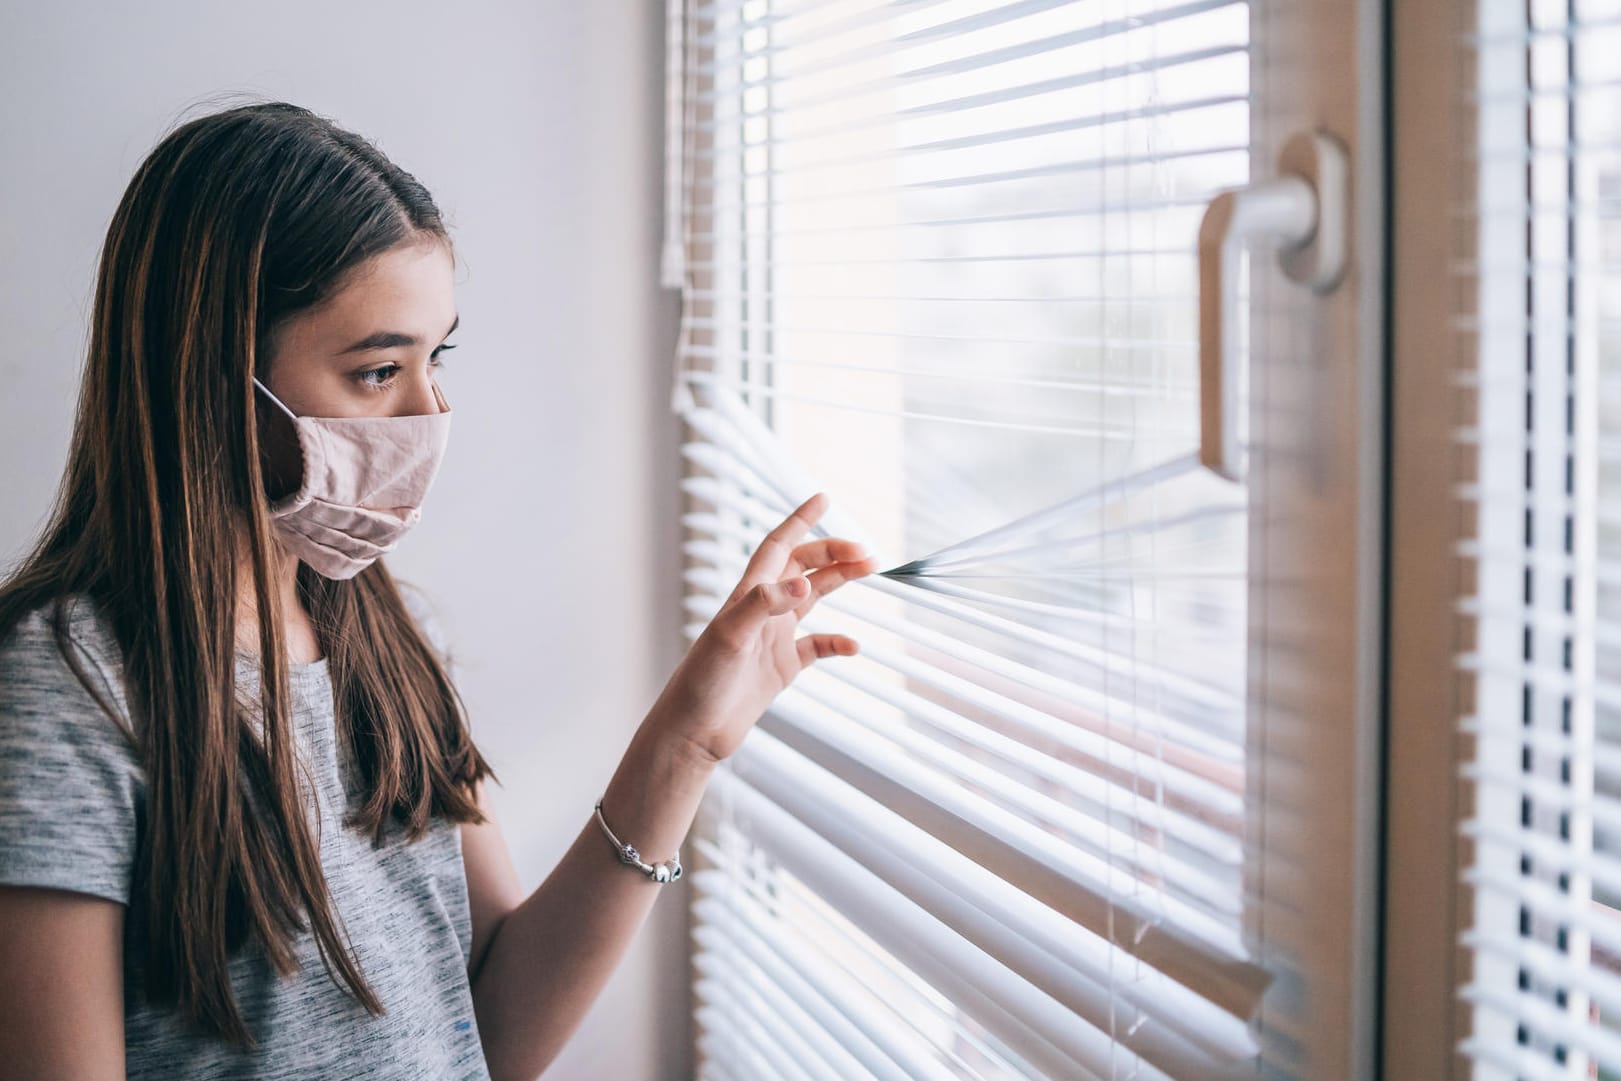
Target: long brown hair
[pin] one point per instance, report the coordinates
(235, 221)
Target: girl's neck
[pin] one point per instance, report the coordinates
(302, 643)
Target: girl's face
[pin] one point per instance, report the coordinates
(372, 350)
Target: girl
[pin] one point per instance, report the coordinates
(243, 829)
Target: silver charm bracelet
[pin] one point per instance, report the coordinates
(658, 872)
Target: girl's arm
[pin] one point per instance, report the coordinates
(62, 997)
(549, 956)
(492, 881)
(545, 958)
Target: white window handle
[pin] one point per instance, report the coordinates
(1305, 209)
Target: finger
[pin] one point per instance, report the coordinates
(823, 581)
(770, 558)
(764, 600)
(827, 579)
(813, 647)
(825, 550)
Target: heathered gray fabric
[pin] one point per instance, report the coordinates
(70, 816)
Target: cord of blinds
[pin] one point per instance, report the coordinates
(1540, 349)
(937, 260)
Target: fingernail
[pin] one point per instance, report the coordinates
(798, 586)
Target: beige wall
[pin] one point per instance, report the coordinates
(550, 540)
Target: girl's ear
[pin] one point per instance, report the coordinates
(280, 457)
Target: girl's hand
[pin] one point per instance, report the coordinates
(748, 653)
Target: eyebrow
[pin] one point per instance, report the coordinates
(391, 339)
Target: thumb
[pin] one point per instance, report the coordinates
(774, 598)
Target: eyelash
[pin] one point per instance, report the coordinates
(384, 384)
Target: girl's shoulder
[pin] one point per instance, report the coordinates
(70, 778)
(82, 617)
(81, 667)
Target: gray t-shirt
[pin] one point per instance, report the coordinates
(71, 792)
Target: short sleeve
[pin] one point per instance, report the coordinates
(70, 780)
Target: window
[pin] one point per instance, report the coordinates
(937, 259)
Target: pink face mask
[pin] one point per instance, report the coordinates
(364, 482)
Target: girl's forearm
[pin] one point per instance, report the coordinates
(552, 955)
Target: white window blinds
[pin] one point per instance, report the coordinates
(937, 259)
(1540, 274)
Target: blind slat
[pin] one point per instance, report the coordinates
(1550, 965)
(1026, 937)
(724, 982)
(882, 116)
(1159, 777)
(1540, 899)
(1552, 856)
(1190, 949)
(940, 953)
(745, 1028)
(992, 138)
(890, 47)
(1178, 435)
(1533, 1011)
(1067, 165)
(1196, 868)
(1515, 1060)
(911, 1025)
(795, 970)
(1038, 856)
(1050, 214)
(996, 997)
(1606, 758)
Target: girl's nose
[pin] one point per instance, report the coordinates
(429, 400)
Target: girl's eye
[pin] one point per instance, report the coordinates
(384, 376)
(381, 378)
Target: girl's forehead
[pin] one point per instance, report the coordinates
(404, 297)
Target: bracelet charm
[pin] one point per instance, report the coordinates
(659, 872)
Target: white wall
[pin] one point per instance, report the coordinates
(551, 537)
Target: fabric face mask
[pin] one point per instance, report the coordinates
(364, 482)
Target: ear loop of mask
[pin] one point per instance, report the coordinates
(279, 405)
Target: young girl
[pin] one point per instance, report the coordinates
(243, 830)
